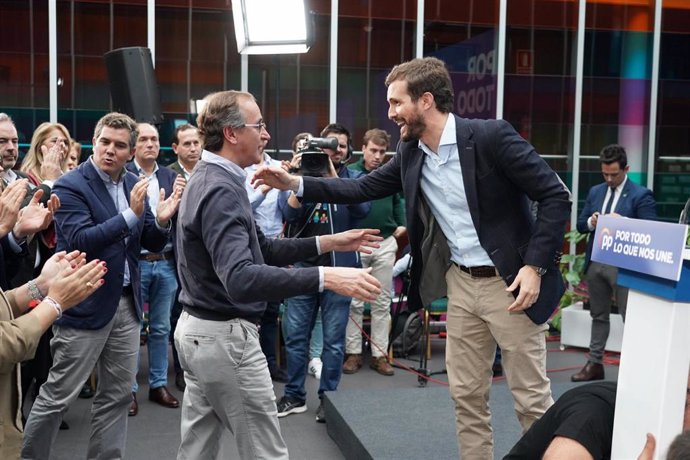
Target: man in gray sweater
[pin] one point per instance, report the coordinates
(228, 271)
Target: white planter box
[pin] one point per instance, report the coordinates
(576, 328)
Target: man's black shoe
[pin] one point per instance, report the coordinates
(86, 391)
(320, 414)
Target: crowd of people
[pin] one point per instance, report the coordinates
(217, 241)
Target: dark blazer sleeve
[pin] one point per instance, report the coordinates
(380, 183)
(588, 209)
(74, 217)
(644, 204)
(525, 168)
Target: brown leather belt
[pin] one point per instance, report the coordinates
(483, 271)
(156, 256)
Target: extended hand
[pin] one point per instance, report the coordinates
(275, 177)
(167, 208)
(10, 202)
(137, 197)
(352, 282)
(529, 283)
(35, 217)
(362, 240)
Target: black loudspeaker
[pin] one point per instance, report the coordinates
(133, 85)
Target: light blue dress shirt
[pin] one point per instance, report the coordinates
(267, 207)
(444, 190)
(116, 190)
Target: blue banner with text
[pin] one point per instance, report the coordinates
(645, 246)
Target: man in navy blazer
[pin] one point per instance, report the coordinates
(468, 186)
(104, 212)
(617, 195)
(158, 271)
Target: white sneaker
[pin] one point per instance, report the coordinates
(314, 368)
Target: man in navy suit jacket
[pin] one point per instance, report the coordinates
(468, 186)
(158, 271)
(104, 212)
(619, 196)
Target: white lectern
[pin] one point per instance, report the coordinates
(655, 356)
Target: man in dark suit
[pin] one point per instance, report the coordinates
(467, 187)
(104, 212)
(618, 196)
(187, 146)
(158, 271)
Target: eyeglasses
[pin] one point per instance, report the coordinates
(259, 126)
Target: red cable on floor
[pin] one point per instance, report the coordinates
(609, 358)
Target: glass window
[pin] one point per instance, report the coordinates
(672, 173)
(540, 76)
(616, 87)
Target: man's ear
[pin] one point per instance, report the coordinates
(427, 100)
(174, 147)
(229, 135)
(131, 154)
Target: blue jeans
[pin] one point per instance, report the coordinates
(158, 289)
(299, 321)
(316, 340)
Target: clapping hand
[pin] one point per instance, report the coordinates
(10, 201)
(35, 216)
(167, 208)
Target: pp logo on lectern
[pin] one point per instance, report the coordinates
(606, 239)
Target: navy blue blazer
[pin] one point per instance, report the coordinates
(501, 174)
(635, 202)
(89, 221)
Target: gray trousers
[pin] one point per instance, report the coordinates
(75, 352)
(601, 284)
(228, 387)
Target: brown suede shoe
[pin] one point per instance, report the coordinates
(381, 365)
(352, 364)
(162, 396)
(591, 371)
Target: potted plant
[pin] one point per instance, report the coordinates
(572, 268)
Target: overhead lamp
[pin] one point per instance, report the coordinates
(271, 26)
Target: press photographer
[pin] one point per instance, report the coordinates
(311, 160)
(306, 219)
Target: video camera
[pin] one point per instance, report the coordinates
(315, 162)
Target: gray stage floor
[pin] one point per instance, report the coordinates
(154, 433)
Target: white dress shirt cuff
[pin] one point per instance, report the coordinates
(130, 218)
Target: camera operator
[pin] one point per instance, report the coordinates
(307, 219)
